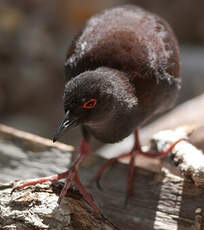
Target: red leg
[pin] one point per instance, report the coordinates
(41, 180)
(135, 150)
(84, 150)
(159, 154)
(71, 175)
(106, 165)
(85, 194)
(132, 154)
(131, 170)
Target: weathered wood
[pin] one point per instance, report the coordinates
(36, 142)
(36, 207)
(24, 155)
(161, 201)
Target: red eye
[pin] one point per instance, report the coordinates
(89, 104)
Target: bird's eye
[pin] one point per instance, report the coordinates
(90, 104)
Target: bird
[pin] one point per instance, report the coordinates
(121, 69)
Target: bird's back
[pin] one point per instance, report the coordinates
(136, 42)
(127, 38)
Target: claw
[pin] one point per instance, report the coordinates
(98, 184)
(70, 174)
(59, 200)
(14, 189)
(126, 201)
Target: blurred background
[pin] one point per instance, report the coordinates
(35, 35)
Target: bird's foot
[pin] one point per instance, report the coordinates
(70, 175)
(41, 180)
(132, 155)
(160, 154)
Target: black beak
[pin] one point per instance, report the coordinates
(67, 123)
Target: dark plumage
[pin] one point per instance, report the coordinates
(128, 60)
(122, 68)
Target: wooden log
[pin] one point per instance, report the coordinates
(161, 201)
(36, 207)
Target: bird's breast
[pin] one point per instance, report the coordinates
(118, 127)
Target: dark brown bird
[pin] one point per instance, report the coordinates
(121, 69)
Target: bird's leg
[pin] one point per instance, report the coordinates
(86, 194)
(106, 165)
(70, 174)
(84, 150)
(132, 154)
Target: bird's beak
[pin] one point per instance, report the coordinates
(67, 123)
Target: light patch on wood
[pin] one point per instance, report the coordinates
(168, 220)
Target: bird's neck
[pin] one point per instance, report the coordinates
(120, 120)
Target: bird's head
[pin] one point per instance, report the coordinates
(88, 98)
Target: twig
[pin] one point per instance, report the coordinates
(188, 159)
